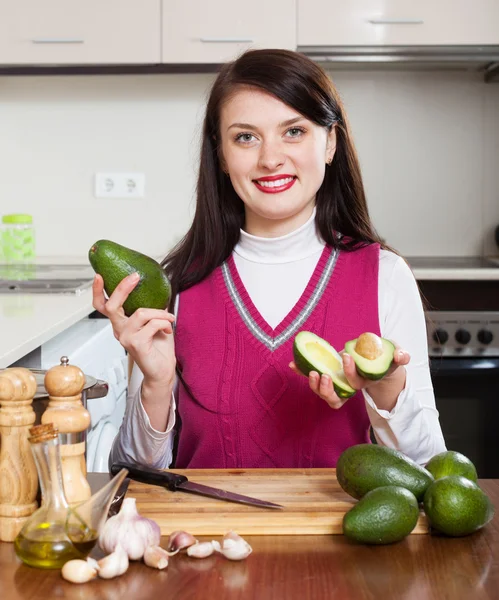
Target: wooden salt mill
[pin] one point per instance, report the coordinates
(18, 475)
(64, 384)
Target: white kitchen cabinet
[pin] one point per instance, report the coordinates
(80, 32)
(397, 22)
(197, 31)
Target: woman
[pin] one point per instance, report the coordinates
(281, 241)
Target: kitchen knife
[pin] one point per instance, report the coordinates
(175, 482)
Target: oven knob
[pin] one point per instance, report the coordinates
(463, 336)
(484, 336)
(440, 336)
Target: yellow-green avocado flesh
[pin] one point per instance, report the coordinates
(376, 368)
(312, 353)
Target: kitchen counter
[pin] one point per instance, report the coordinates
(29, 320)
(289, 567)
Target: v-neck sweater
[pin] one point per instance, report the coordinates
(249, 408)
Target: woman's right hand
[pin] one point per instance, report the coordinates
(147, 335)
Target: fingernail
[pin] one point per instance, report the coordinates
(346, 359)
(401, 354)
(134, 277)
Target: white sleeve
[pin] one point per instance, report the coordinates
(412, 426)
(137, 441)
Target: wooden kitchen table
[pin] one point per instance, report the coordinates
(288, 567)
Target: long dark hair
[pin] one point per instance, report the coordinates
(341, 203)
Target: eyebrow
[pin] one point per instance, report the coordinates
(282, 124)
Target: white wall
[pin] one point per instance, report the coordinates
(428, 144)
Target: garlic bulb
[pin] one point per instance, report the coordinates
(113, 564)
(156, 557)
(128, 528)
(233, 546)
(78, 571)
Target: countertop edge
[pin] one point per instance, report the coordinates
(53, 328)
(457, 274)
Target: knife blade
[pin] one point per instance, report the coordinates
(117, 501)
(176, 482)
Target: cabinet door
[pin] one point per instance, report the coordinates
(397, 22)
(201, 31)
(80, 31)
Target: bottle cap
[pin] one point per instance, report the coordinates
(17, 219)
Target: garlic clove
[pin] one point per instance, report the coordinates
(78, 571)
(179, 540)
(156, 557)
(233, 546)
(201, 550)
(114, 564)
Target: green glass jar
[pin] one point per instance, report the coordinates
(17, 239)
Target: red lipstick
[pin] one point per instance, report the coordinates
(275, 189)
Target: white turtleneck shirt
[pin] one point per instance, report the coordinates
(275, 272)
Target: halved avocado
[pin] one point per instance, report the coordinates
(312, 353)
(373, 355)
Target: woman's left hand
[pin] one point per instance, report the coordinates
(323, 385)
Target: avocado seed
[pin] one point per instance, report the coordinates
(369, 346)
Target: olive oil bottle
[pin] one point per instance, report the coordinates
(56, 532)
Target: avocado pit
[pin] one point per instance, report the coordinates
(369, 346)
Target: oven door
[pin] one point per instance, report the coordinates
(467, 398)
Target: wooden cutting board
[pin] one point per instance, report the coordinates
(313, 502)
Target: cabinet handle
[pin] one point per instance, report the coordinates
(57, 41)
(396, 21)
(227, 40)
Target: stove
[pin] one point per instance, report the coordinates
(462, 314)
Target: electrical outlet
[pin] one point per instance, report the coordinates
(119, 185)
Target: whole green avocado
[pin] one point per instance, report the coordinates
(457, 506)
(115, 262)
(384, 515)
(365, 467)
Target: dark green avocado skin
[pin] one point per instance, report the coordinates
(365, 467)
(114, 262)
(383, 516)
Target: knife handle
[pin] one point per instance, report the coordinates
(149, 475)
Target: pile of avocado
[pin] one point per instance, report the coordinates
(390, 486)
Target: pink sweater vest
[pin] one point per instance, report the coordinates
(255, 411)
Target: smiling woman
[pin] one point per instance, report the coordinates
(281, 242)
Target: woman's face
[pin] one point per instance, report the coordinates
(275, 158)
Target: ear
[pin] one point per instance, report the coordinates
(330, 145)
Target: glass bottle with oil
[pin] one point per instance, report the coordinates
(58, 532)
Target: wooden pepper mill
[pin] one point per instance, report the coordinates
(64, 384)
(18, 475)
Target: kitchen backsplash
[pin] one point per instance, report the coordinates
(428, 144)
